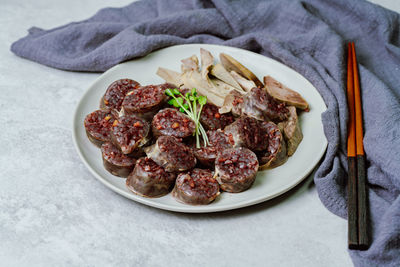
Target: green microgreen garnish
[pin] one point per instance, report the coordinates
(191, 103)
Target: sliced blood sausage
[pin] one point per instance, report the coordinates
(292, 131)
(129, 132)
(233, 102)
(165, 86)
(138, 152)
(150, 179)
(172, 122)
(98, 126)
(171, 154)
(260, 105)
(196, 187)
(218, 142)
(275, 154)
(236, 169)
(116, 92)
(115, 162)
(247, 132)
(145, 100)
(211, 119)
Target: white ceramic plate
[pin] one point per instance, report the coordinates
(268, 184)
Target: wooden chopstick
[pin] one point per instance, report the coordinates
(352, 211)
(362, 203)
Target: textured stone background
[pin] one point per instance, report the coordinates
(53, 212)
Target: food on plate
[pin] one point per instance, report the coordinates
(196, 187)
(144, 101)
(219, 72)
(190, 64)
(172, 122)
(233, 102)
(275, 154)
(170, 76)
(260, 105)
(218, 141)
(193, 76)
(98, 126)
(211, 119)
(211, 126)
(245, 84)
(284, 94)
(247, 132)
(171, 154)
(236, 169)
(207, 61)
(257, 103)
(232, 64)
(150, 179)
(116, 92)
(139, 151)
(192, 104)
(292, 131)
(130, 132)
(115, 161)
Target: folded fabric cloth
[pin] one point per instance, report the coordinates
(310, 36)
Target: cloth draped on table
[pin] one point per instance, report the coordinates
(310, 36)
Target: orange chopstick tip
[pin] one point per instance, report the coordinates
(357, 104)
(351, 131)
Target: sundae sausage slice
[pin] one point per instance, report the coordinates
(196, 187)
(236, 169)
(129, 132)
(98, 126)
(260, 105)
(275, 154)
(116, 92)
(171, 122)
(115, 162)
(292, 131)
(247, 132)
(233, 102)
(145, 100)
(169, 153)
(150, 179)
(211, 119)
(218, 142)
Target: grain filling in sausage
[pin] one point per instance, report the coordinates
(98, 126)
(116, 92)
(211, 119)
(129, 132)
(171, 122)
(236, 169)
(247, 132)
(219, 141)
(144, 100)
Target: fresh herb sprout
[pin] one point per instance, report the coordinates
(191, 103)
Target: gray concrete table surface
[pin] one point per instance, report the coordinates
(53, 212)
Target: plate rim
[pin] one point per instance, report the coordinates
(190, 208)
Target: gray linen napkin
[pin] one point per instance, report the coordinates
(309, 36)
